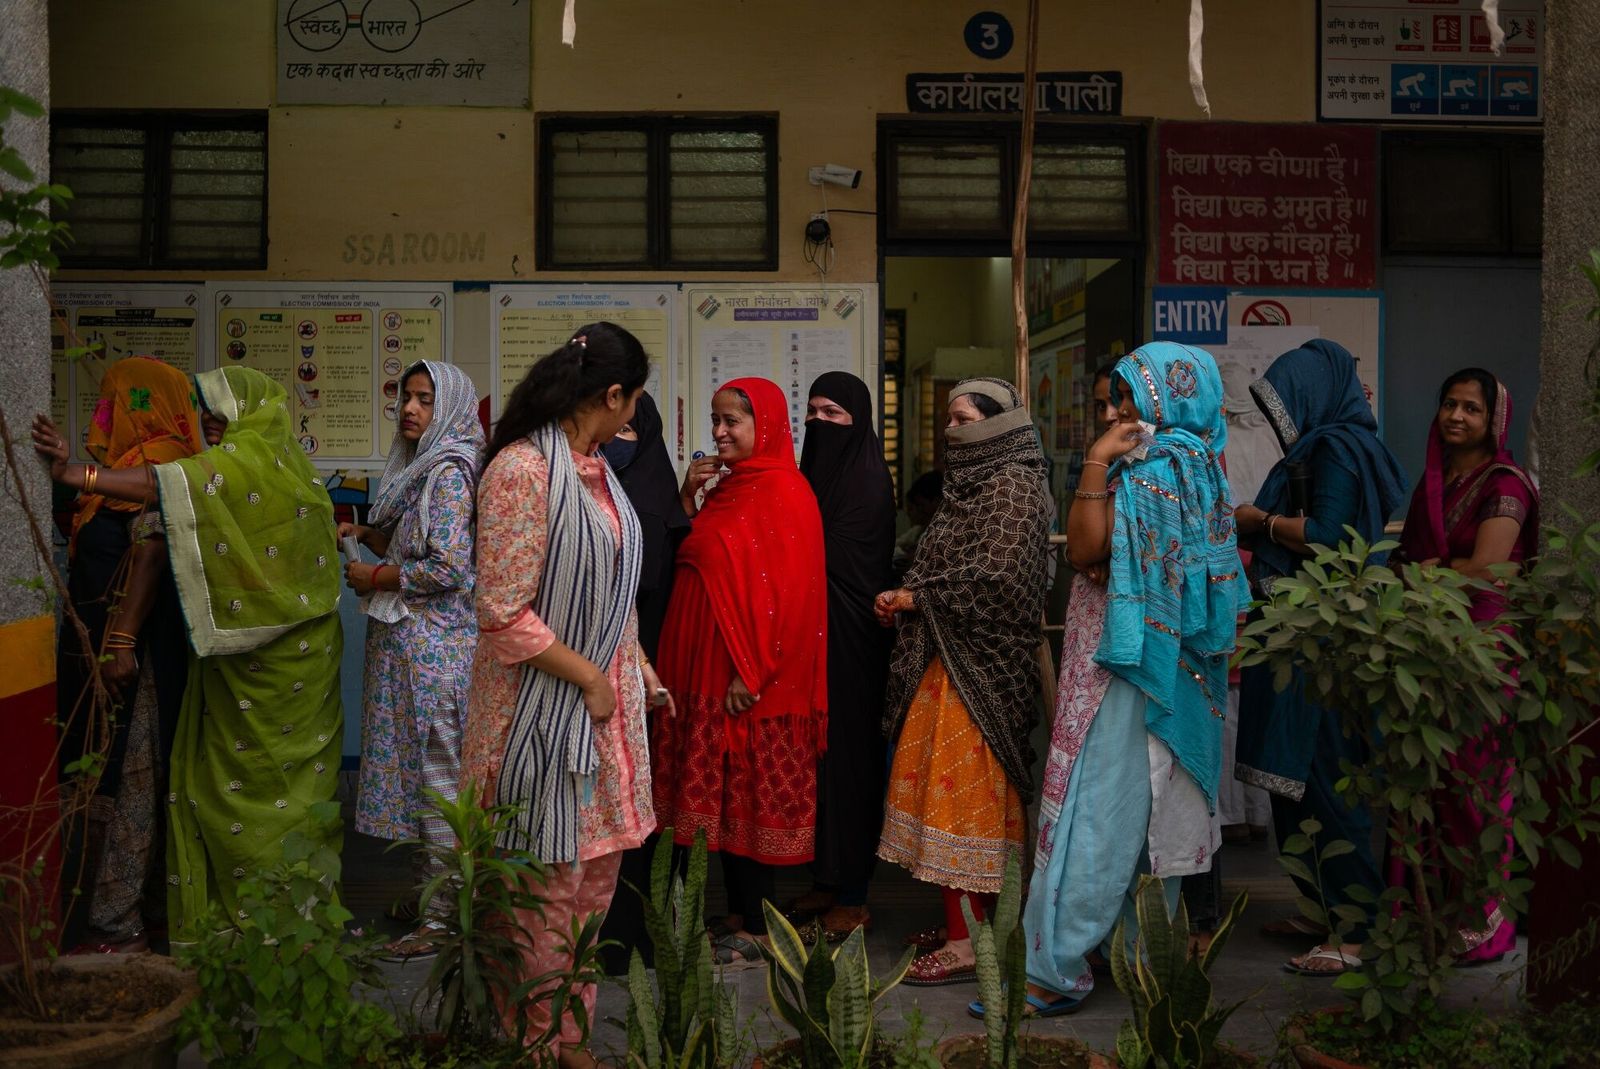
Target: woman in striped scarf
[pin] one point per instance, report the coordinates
(556, 718)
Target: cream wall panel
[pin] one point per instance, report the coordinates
(828, 68)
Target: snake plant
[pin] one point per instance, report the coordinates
(687, 1019)
(1002, 958)
(826, 995)
(1175, 1024)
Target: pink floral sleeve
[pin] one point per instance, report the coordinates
(513, 517)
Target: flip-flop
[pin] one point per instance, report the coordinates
(737, 952)
(1037, 1007)
(416, 946)
(1346, 963)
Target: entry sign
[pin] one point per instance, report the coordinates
(1193, 315)
(989, 35)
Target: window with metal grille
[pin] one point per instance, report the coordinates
(1496, 194)
(163, 189)
(957, 181)
(658, 193)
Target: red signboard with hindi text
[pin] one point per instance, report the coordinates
(1252, 204)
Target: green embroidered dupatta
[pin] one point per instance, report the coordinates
(250, 536)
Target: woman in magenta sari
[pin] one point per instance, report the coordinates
(1474, 509)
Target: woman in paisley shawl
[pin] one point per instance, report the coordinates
(1474, 509)
(122, 591)
(1136, 749)
(1313, 398)
(249, 534)
(964, 683)
(423, 632)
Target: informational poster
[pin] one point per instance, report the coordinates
(163, 321)
(532, 321)
(338, 350)
(1246, 204)
(789, 334)
(404, 52)
(1429, 61)
(1258, 326)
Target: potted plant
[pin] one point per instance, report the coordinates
(85, 1011)
(687, 1019)
(277, 982)
(1175, 1021)
(1399, 658)
(474, 981)
(1000, 948)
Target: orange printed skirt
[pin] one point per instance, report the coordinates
(951, 816)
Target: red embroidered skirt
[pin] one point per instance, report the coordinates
(750, 782)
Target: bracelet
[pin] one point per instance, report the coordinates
(122, 634)
(1091, 495)
(1098, 464)
(1272, 529)
(118, 645)
(91, 474)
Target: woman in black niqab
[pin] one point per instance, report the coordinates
(645, 471)
(855, 493)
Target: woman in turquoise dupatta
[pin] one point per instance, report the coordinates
(249, 532)
(1136, 748)
(250, 535)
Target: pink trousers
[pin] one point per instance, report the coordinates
(578, 891)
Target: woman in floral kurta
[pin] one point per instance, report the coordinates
(419, 669)
(556, 720)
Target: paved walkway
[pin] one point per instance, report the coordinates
(1250, 967)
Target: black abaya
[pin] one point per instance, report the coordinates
(855, 494)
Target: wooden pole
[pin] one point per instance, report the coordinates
(1019, 219)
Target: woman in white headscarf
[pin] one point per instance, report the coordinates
(422, 630)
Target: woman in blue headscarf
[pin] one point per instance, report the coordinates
(1315, 402)
(1136, 749)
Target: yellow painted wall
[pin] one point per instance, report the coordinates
(343, 180)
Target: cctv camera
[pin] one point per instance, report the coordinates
(836, 175)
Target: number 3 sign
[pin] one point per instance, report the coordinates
(988, 35)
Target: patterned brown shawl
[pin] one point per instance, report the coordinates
(979, 583)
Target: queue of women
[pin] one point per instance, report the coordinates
(556, 619)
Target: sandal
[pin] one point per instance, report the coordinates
(807, 906)
(413, 946)
(737, 951)
(939, 968)
(835, 934)
(1296, 927)
(1345, 962)
(928, 939)
(1037, 1007)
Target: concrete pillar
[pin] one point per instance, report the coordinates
(1571, 229)
(27, 616)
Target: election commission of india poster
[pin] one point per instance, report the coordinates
(162, 321)
(532, 321)
(789, 334)
(338, 350)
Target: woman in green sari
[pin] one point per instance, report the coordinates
(249, 532)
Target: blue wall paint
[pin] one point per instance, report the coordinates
(1447, 314)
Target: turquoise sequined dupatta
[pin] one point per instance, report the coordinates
(1175, 589)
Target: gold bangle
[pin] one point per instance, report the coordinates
(119, 645)
(122, 634)
(1091, 495)
(90, 475)
(1098, 464)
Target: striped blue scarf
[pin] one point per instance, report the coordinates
(585, 597)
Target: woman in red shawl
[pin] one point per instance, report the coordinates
(744, 653)
(1475, 508)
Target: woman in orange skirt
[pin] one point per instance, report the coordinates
(964, 685)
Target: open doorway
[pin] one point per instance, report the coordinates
(954, 318)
